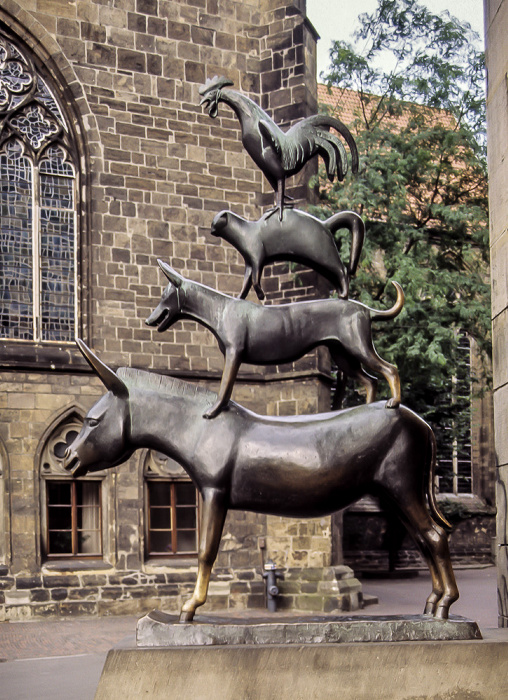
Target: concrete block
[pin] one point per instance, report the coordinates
(386, 671)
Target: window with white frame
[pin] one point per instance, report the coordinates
(171, 508)
(38, 220)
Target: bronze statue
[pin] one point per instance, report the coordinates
(305, 466)
(298, 237)
(270, 335)
(280, 155)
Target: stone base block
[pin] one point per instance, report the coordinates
(159, 629)
(324, 589)
(385, 671)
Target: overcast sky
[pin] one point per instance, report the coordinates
(336, 19)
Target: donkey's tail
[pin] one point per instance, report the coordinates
(396, 308)
(437, 516)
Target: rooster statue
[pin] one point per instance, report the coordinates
(280, 155)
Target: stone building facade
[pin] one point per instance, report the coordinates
(496, 25)
(105, 150)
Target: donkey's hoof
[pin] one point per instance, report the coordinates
(441, 612)
(186, 616)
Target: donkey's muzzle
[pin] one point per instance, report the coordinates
(72, 464)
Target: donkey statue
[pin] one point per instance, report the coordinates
(303, 466)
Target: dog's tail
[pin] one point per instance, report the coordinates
(396, 308)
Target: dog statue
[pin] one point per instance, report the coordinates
(271, 335)
(298, 237)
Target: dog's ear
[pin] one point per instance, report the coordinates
(171, 274)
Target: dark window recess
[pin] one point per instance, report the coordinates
(172, 508)
(74, 519)
(454, 467)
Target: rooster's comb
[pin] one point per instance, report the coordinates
(214, 83)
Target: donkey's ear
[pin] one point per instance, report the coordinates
(171, 274)
(110, 380)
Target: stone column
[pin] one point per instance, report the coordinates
(496, 27)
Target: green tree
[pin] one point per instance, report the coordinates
(421, 189)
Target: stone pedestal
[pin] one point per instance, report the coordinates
(159, 629)
(385, 671)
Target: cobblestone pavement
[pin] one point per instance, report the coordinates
(62, 659)
(69, 637)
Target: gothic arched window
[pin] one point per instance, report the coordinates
(38, 193)
(71, 509)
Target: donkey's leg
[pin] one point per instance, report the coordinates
(433, 543)
(213, 515)
(232, 364)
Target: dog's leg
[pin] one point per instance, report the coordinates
(232, 362)
(393, 379)
(389, 372)
(361, 347)
(369, 382)
(350, 367)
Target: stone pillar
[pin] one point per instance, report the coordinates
(496, 27)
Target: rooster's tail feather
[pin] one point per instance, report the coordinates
(334, 154)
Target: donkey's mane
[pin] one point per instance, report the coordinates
(161, 383)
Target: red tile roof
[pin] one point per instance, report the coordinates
(347, 104)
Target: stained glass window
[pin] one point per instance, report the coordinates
(57, 226)
(16, 215)
(37, 205)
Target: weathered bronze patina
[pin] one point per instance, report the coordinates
(298, 237)
(277, 154)
(303, 466)
(270, 335)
